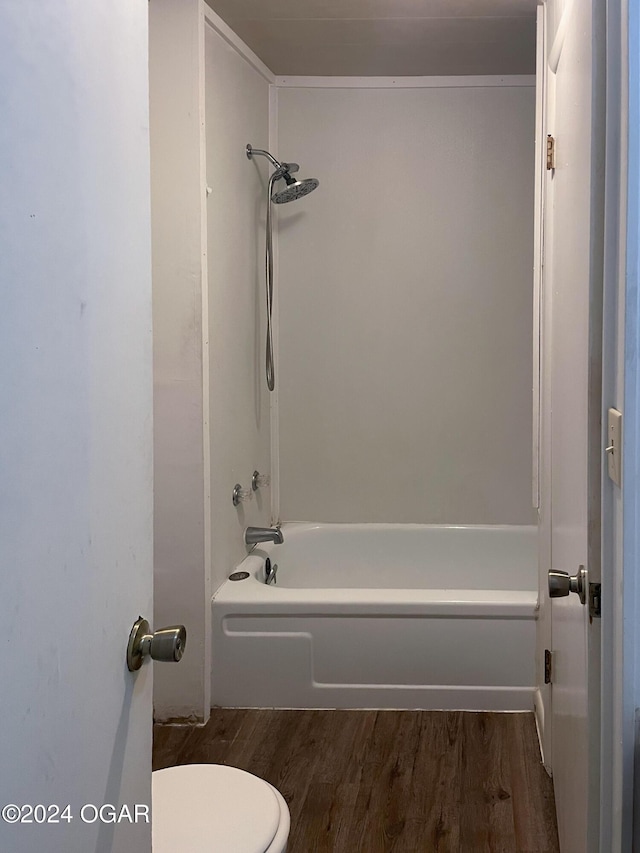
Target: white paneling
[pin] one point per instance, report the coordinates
(406, 306)
(206, 360)
(182, 582)
(538, 257)
(237, 113)
(211, 408)
(75, 420)
(275, 325)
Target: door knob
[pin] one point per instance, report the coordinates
(166, 644)
(562, 583)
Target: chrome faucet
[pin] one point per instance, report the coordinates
(253, 535)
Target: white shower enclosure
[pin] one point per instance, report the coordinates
(402, 314)
(403, 330)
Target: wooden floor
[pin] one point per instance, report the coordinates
(383, 781)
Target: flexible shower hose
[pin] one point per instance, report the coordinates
(269, 364)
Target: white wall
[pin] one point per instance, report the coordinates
(182, 575)
(211, 404)
(75, 418)
(630, 722)
(237, 113)
(405, 297)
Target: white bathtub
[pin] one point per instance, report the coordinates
(381, 616)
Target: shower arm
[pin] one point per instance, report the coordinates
(281, 168)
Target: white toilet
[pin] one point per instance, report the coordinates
(211, 808)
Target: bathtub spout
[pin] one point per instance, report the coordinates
(253, 535)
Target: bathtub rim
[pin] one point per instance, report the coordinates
(253, 596)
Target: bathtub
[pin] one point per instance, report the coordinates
(381, 616)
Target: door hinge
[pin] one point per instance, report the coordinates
(551, 152)
(595, 600)
(548, 658)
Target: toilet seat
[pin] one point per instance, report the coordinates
(210, 808)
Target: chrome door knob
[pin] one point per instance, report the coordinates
(165, 644)
(562, 583)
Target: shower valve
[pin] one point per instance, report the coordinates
(240, 495)
(259, 481)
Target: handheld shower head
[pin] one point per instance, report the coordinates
(294, 189)
(283, 171)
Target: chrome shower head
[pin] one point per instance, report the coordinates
(294, 189)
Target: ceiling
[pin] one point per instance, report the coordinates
(386, 37)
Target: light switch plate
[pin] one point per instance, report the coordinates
(614, 445)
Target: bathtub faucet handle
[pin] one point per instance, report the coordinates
(259, 480)
(240, 495)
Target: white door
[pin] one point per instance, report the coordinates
(75, 425)
(571, 283)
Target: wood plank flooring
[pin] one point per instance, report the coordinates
(387, 781)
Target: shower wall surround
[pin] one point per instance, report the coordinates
(211, 410)
(405, 305)
(237, 112)
(181, 579)
(404, 290)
